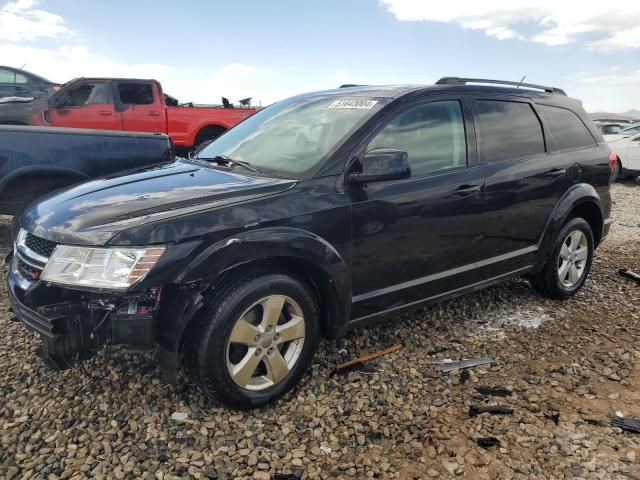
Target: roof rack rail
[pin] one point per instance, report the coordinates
(464, 81)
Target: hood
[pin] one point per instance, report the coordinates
(93, 212)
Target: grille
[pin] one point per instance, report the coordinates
(40, 245)
(27, 271)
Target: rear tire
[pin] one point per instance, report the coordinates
(243, 356)
(206, 136)
(569, 263)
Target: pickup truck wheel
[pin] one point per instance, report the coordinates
(254, 339)
(206, 136)
(569, 263)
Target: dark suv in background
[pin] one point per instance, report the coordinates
(23, 96)
(314, 216)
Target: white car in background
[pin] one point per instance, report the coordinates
(631, 131)
(613, 132)
(628, 151)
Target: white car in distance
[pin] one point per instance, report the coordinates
(628, 151)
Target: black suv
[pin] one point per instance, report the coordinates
(314, 216)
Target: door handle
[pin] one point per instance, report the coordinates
(466, 190)
(153, 114)
(105, 113)
(556, 172)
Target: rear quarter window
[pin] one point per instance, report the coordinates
(509, 130)
(566, 128)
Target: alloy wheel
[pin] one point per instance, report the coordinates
(572, 260)
(266, 342)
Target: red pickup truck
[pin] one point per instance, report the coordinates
(138, 106)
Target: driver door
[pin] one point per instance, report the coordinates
(85, 105)
(419, 238)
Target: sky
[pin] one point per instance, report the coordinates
(202, 50)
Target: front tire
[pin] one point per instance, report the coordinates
(254, 339)
(569, 263)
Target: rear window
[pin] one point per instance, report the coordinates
(567, 128)
(136, 93)
(509, 130)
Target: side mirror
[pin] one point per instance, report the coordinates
(383, 164)
(60, 100)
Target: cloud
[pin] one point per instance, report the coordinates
(607, 27)
(20, 20)
(614, 89)
(612, 76)
(200, 84)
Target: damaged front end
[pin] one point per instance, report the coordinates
(75, 324)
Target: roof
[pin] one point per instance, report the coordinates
(110, 79)
(397, 91)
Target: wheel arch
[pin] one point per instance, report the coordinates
(301, 253)
(200, 128)
(581, 200)
(33, 170)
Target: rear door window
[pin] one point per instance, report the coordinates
(566, 128)
(432, 134)
(135, 93)
(509, 130)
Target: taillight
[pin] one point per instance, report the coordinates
(613, 160)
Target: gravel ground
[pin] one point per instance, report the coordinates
(570, 366)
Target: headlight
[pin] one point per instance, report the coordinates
(111, 268)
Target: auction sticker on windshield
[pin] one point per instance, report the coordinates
(363, 104)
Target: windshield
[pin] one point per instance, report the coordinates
(292, 137)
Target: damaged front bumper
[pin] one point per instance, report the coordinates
(75, 324)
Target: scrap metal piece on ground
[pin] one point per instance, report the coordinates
(495, 392)
(628, 424)
(437, 350)
(596, 422)
(625, 272)
(554, 417)
(492, 409)
(448, 365)
(351, 364)
(488, 442)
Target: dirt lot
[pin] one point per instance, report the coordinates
(570, 366)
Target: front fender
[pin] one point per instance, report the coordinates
(264, 244)
(185, 295)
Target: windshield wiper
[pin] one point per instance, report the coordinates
(227, 161)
